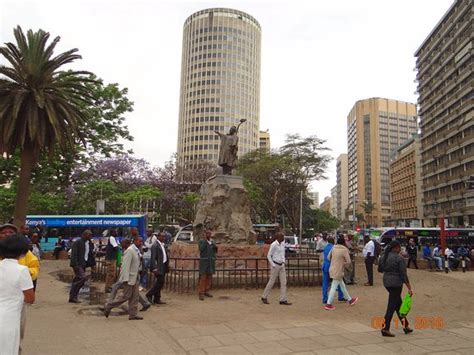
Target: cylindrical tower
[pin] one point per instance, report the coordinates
(220, 83)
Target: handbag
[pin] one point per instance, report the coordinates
(406, 306)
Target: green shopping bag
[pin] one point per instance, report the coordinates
(406, 306)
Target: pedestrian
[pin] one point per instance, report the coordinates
(111, 250)
(339, 258)
(394, 276)
(149, 241)
(276, 259)
(36, 246)
(82, 257)
(369, 256)
(16, 290)
(129, 277)
(437, 257)
(322, 242)
(412, 251)
(159, 267)
(124, 244)
(207, 264)
(59, 246)
(427, 256)
(325, 269)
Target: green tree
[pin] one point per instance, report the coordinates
(41, 106)
(368, 207)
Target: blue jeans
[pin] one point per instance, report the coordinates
(326, 280)
(146, 269)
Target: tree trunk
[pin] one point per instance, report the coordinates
(27, 162)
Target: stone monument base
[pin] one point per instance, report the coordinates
(224, 207)
(244, 254)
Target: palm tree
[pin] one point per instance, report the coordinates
(39, 105)
(368, 207)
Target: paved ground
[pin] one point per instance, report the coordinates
(235, 322)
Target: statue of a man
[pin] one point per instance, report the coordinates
(228, 149)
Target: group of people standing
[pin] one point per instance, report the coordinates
(19, 270)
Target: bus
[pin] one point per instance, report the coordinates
(421, 236)
(70, 227)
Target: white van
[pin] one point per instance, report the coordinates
(185, 234)
(292, 244)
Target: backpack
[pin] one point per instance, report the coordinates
(381, 265)
(377, 248)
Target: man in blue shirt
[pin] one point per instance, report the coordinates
(427, 255)
(325, 268)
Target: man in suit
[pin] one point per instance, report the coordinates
(129, 275)
(159, 267)
(207, 264)
(82, 257)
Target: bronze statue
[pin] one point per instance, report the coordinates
(228, 149)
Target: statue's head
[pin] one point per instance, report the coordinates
(233, 130)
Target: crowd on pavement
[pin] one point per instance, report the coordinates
(138, 263)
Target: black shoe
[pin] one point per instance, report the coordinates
(135, 318)
(74, 301)
(265, 301)
(149, 298)
(160, 302)
(145, 308)
(207, 294)
(201, 297)
(386, 333)
(285, 303)
(407, 330)
(106, 313)
(108, 290)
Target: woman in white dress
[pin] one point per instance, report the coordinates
(16, 287)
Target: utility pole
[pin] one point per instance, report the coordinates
(301, 216)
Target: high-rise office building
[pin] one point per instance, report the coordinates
(376, 127)
(445, 88)
(405, 185)
(264, 140)
(314, 197)
(342, 187)
(334, 201)
(220, 83)
(326, 205)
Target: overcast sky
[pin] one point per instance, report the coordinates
(318, 58)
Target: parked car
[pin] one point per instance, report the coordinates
(292, 244)
(185, 234)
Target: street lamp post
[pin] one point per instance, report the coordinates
(301, 215)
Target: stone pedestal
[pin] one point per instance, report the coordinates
(225, 208)
(235, 256)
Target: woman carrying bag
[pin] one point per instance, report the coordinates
(395, 275)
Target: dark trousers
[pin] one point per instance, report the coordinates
(369, 266)
(412, 258)
(78, 281)
(155, 290)
(394, 303)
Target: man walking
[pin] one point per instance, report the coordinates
(369, 254)
(111, 260)
(276, 259)
(159, 267)
(325, 269)
(82, 257)
(129, 275)
(412, 253)
(207, 264)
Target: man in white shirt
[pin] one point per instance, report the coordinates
(369, 255)
(276, 259)
(159, 267)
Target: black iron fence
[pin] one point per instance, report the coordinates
(183, 275)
